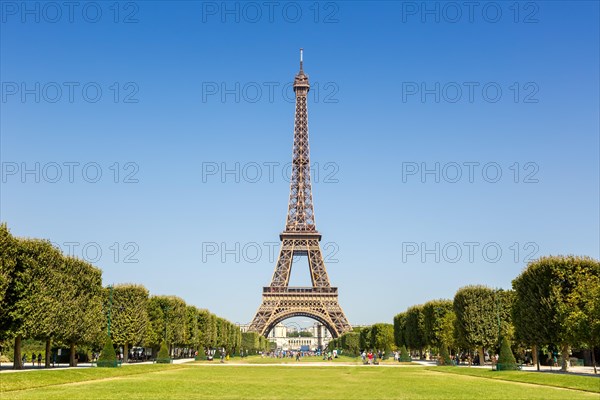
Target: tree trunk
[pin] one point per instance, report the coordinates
(481, 356)
(125, 352)
(535, 355)
(47, 355)
(565, 358)
(594, 360)
(72, 356)
(17, 364)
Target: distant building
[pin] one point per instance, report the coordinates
(319, 338)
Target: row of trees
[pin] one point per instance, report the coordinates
(555, 303)
(139, 319)
(376, 337)
(47, 296)
(477, 318)
(253, 343)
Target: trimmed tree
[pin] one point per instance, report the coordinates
(433, 320)
(31, 301)
(382, 337)
(12, 292)
(583, 314)
(444, 356)
(155, 332)
(108, 357)
(446, 334)
(207, 323)
(504, 301)
(351, 342)
(8, 263)
(193, 332)
(9, 249)
(129, 316)
(80, 317)
(251, 342)
(506, 358)
(532, 313)
(237, 339)
(549, 303)
(48, 270)
(404, 355)
(438, 325)
(365, 337)
(172, 317)
(221, 333)
(400, 329)
(415, 329)
(163, 356)
(176, 320)
(476, 318)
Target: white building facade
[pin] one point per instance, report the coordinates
(319, 338)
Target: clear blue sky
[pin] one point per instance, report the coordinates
(374, 123)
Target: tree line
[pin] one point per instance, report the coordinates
(377, 337)
(58, 299)
(554, 305)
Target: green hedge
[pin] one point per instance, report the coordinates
(163, 356)
(444, 356)
(108, 357)
(404, 356)
(506, 359)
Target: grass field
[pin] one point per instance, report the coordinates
(278, 382)
(569, 381)
(303, 360)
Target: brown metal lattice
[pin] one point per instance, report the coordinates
(300, 237)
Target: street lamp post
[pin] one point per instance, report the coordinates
(165, 311)
(110, 296)
(497, 301)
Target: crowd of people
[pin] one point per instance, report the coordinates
(34, 358)
(371, 357)
(297, 354)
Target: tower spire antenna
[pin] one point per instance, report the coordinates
(301, 51)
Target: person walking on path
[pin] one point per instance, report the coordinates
(33, 357)
(39, 357)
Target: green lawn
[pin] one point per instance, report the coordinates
(283, 382)
(588, 383)
(308, 359)
(287, 360)
(10, 381)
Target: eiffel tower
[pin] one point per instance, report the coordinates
(300, 238)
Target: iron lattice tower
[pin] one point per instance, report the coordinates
(300, 238)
